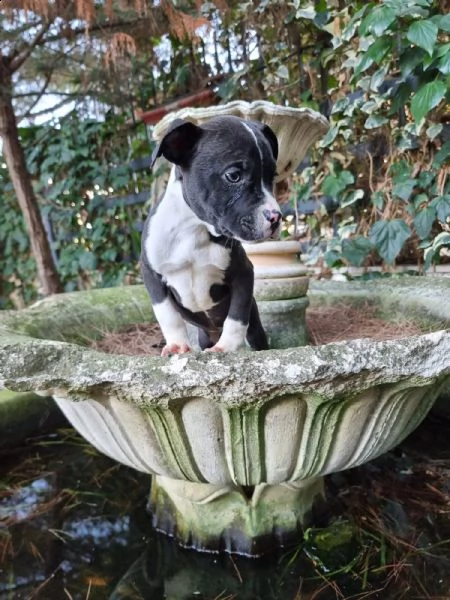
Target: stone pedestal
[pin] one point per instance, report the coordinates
(231, 518)
(281, 285)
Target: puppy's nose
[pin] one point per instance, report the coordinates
(274, 216)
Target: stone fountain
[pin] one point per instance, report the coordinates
(238, 444)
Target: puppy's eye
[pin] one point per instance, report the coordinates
(233, 176)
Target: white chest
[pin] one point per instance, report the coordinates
(179, 248)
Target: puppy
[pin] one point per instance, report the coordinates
(193, 264)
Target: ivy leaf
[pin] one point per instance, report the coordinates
(442, 206)
(409, 60)
(377, 21)
(388, 238)
(378, 78)
(340, 105)
(404, 189)
(443, 156)
(444, 63)
(333, 259)
(432, 252)
(375, 121)
(378, 200)
(330, 137)
(423, 33)
(411, 8)
(423, 221)
(283, 72)
(434, 130)
(444, 23)
(380, 47)
(333, 185)
(400, 98)
(87, 261)
(427, 98)
(352, 197)
(355, 250)
(307, 13)
(375, 53)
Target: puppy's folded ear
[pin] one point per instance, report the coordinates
(271, 138)
(179, 143)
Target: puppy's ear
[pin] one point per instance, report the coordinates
(271, 138)
(178, 143)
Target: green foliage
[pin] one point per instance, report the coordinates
(382, 69)
(17, 266)
(388, 121)
(79, 167)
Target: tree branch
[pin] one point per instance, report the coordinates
(20, 56)
(45, 111)
(102, 27)
(39, 96)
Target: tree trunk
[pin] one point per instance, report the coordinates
(21, 181)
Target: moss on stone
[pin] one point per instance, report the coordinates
(26, 414)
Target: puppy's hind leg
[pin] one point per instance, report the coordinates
(256, 336)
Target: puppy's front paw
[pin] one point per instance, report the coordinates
(175, 348)
(215, 348)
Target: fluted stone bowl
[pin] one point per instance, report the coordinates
(238, 443)
(297, 129)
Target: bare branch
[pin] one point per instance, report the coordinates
(20, 56)
(39, 95)
(44, 111)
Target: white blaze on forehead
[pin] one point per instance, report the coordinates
(255, 139)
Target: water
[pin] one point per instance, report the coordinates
(74, 525)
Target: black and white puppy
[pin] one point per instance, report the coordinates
(193, 264)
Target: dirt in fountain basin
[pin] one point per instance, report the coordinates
(324, 325)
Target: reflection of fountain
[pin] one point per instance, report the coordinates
(238, 443)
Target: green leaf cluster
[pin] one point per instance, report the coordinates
(81, 170)
(389, 130)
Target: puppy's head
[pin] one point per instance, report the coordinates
(228, 167)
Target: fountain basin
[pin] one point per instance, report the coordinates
(238, 444)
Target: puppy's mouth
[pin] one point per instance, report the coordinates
(249, 230)
(254, 238)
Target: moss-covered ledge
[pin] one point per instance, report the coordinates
(238, 443)
(81, 316)
(28, 364)
(425, 298)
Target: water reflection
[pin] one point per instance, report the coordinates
(74, 525)
(165, 571)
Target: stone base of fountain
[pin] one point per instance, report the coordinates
(247, 521)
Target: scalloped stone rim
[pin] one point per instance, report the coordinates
(297, 129)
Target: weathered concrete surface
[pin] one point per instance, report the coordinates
(28, 364)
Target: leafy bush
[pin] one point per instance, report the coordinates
(384, 163)
(380, 69)
(80, 167)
